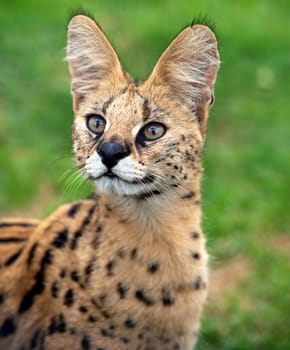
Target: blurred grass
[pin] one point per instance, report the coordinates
(247, 169)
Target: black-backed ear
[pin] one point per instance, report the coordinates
(91, 59)
(187, 71)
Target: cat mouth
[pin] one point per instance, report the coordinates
(146, 180)
(110, 174)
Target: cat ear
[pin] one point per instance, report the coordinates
(92, 59)
(186, 72)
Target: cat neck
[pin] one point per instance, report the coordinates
(159, 212)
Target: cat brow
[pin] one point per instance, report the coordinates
(109, 101)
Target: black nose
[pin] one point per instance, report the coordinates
(112, 152)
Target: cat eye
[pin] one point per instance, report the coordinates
(96, 123)
(153, 131)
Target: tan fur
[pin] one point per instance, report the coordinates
(127, 269)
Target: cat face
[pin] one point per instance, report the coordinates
(140, 139)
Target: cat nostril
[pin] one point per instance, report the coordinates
(111, 153)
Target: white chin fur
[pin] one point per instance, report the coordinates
(117, 186)
(126, 171)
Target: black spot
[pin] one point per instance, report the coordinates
(144, 298)
(89, 268)
(197, 283)
(102, 298)
(86, 342)
(73, 330)
(122, 290)
(88, 218)
(110, 267)
(176, 346)
(133, 253)
(61, 324)
(55, 289)
(195, 255)
(83, 309)
(106, 333)
(96, 240)
(101, 348)
(2, 298)
(57, 324)
(69, 297)
(74, 242)
(47, 258)
(153, 267)
(31, 253)
(74, 276)
(130, 323)
(194, 235)
(62, 273)
(140, 336)
(99, 229)
(73, 210)
(52, 328)
(106, 314)
(99, 303)
(121, 253)
(61, 239)
(13, 257)
(125, 340)
(38, 285)
(92, 319)
(165, 339)
(167, 300)
(8, 327)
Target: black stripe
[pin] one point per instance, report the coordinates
(20, 224)
(79, 233)
(31, 253)
(13, 257)
(146, 110)
(39, 283)
(110, 100)
(12, 240)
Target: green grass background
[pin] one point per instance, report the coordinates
(246, 187)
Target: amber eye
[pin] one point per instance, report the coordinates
(153, 131)
(96, 123)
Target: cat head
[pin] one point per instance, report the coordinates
(140, 139)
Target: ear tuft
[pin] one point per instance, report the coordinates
(81, 12)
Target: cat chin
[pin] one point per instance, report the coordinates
(119, 187)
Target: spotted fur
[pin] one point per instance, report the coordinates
(126, 269)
